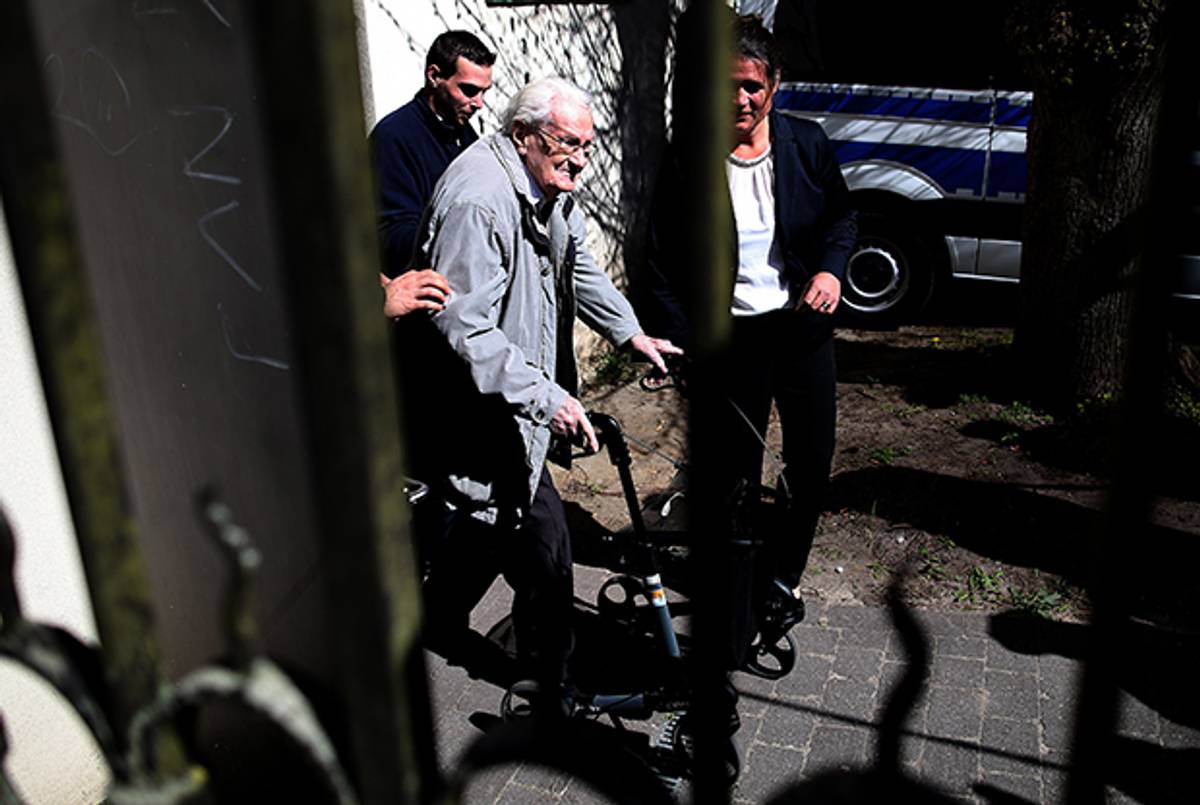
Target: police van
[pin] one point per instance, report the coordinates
(938, 176)
(928, 107)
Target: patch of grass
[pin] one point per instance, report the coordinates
(971, 399)
(887, 455)
(1043, 602)
(1183, 403)
(826, 552)
(904, 412)
(931, 565)
(1019, 413)
(981, 585)
(612, 368)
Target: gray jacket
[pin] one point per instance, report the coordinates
(501, 319)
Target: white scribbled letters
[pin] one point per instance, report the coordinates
(103, 108)
(189, 165)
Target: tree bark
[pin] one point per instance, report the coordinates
(642, 32)
(1097, 96)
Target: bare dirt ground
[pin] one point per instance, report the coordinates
(989, 504)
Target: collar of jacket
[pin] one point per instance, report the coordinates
(444, 132)
(554, 236)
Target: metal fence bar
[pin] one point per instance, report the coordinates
(309, 66)
(1142, 418)
(701, 132)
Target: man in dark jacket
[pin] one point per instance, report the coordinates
(412, 147)
(794, 233)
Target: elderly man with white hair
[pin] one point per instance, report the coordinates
(503, 229)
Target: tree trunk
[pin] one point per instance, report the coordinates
(642, 32)
(1097, 99)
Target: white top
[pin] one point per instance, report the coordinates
(760, 285)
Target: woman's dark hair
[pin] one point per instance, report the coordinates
(755, 42)
(446, 49)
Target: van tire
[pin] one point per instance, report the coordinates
(889, 276)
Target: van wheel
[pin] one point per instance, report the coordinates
(889, 277)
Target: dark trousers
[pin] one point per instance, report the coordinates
(534, 556)
(785, 356)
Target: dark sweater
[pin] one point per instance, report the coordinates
(411, 148)
(815, 227)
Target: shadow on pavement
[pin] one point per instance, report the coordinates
(1017, 526)
(1156, 665)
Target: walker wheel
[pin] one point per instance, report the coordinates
(617, 597)
(771, 660)
(517, 702)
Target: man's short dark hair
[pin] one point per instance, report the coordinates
(446, 49)
(756, 43)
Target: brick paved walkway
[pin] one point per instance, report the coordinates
(992, 721)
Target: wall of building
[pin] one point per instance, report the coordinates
(582, 43)
(51, 757)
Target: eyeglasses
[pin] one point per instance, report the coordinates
(569, 145)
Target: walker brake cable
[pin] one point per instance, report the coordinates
(776, 460)
(649, 448)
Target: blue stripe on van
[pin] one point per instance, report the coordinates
(1012, 114)
(1009, 174)
(954, 169)
(895, 106)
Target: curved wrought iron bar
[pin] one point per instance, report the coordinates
(66, 664)
(586, 750)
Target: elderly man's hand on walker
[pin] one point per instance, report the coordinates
(654, 349)
(571, 420)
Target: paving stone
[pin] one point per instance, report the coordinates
(1136, 719)
(857, 663)
(1027, 788)
(987, 717)
(1058, 677)
(966, 646)
(553, 781)
(912, 747)
(1011, 695)
(851, 699)
(836, 748)
(1057, 719)
(754, 693)
(1001, 659)
(1178, 736)
(766, 770)
(850, 617)
(816, 639)
(745, 738)
(1011, 747)
(1054, 785)
(890, 674)
(954, 713)
(808, 679)
(516, 794)
(486, 786)
(969, 624)
(896, 651)
(1114, 796)
(580, 793)
(868, 638)
(785, 726)
(956, 672)
(950, 766)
